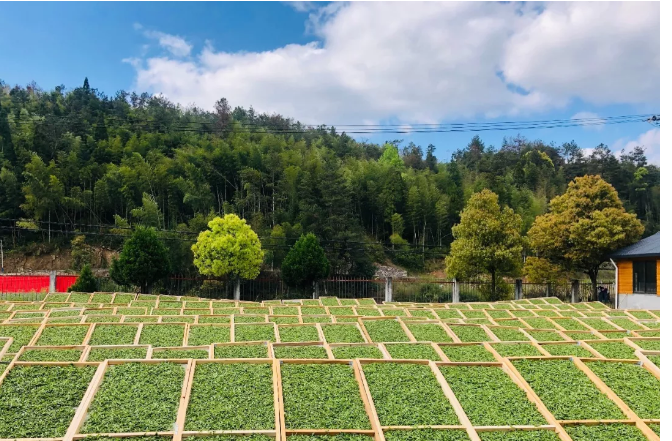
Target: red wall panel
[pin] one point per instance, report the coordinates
(24, 283)
(64, 282)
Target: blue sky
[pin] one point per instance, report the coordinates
(360, 63)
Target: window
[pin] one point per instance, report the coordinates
(644, 276)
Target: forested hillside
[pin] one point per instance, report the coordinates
(79, 157)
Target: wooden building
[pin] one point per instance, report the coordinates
(638, 274)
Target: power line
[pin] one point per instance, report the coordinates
(191, 126)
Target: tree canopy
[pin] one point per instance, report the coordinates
(86, 282)
(487, 241)
(229, 247)
(143, 260)
(583, 226)
(305, 263)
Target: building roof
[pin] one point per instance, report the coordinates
(647, 247)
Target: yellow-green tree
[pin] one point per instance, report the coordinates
(583, 226)
(228, 248)
(487, 241)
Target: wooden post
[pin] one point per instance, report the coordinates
(456, 291)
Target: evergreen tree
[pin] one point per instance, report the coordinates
(306, 263)
(142, 262)
(86, 282)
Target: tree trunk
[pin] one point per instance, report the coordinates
(493, 286)
(593, 283)
(236, 292)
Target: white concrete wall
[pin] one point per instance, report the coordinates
(638, 301)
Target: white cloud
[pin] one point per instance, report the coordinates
(176, 45)
(649, 140)
(427, 62)
(594, 122)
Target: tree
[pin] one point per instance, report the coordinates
(487, 240)
(306, 263)
(142, 262)
(228, 248)
(86, 282)
(583, 226)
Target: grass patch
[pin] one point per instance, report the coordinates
(136, 397)
(165, 354)
(329, 301)
(633, 384)
(605, 432)
(539, 323)
(648, 345)
(521, 313)
(124, 298)
(369, 312)
(544, 335)
(489, 396)
(570, 324)
(255, 333)
(499, 314)
(141, 319)
(322, 396)
(101, 298)
(412, 351)
(100, 354)
(241, 351)
(231, 397)
(465, 353)
(470, 334)
(568, 349)
(509, 334)
(385, 331)
(179, 319)
(65, 313)
(655, 359)
(205, 335)
(598, 324)
(648, 333)
(516, 350)
(284, 320)
(408, 395)
(519, 435)
(447, 313)
(426, 435)
(62, 335)
(113, 335)
(162, 335)
(614, 349)
(626, 324)
(342, 334)
(21, 335)
(249, 318)
(131, 311)
(102, 319)
(285, 310)
(40, 401)
(429, 332)
(566, 391)
(214, 319)
(77, 297)
(316, 319)
(298, 334)
(655, 427)
(352, 352)
(309, 310)
(311, 351)
(51, 355)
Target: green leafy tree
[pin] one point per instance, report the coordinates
(583, 226)
(487, 241)
(306, 263)
(229, 248)
(142, 262)
(86, 282)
